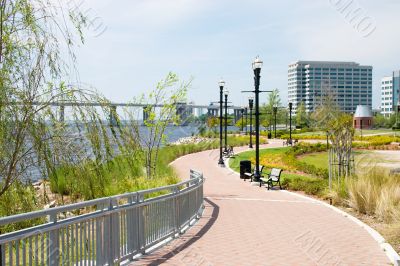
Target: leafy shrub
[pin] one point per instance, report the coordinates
(19, 198)
(311, 186)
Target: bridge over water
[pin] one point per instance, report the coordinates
(183, 109)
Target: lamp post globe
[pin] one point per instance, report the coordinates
(257, 65)
(221, 85)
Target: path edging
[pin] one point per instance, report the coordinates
(386, 247)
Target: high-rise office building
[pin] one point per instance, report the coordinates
(390, 90)
(348, 83)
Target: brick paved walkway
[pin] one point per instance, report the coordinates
(247, 225)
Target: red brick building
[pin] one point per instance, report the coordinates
(363, 118)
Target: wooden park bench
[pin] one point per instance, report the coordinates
(273, 178)
(251, 175)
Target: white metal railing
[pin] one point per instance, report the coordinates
(104, 231)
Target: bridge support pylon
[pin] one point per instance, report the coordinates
(113, 115)
(62, 113)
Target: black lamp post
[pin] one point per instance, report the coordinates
(275, 112)
(270, 126)
(251, 103)
(242, 112)
(257, 64)
(245, 113)
(221, 91)
(327, 140)
(226, 93)
(290, 122)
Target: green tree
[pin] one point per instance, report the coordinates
(33, 37)
(168, 93)
(268, 117)
(212, 123)
(301, 116)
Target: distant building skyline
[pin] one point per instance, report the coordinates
(390, 90)
(349, 83)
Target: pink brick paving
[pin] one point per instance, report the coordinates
(247, 225)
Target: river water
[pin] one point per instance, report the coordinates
(173, 133)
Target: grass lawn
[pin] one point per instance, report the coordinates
(311, 133)
(375, 132)
(365, 132)
(320, 159)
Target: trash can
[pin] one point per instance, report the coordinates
(245, 167)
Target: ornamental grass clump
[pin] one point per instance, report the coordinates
(376, 193)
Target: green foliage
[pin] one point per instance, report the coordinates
(213, 123)
(241, 123)
(301, 116)
(19, 198)
(32, 70)
(169, 93)
(376, 193)
(267, 111)
(290, 158)
(381, 121)
(311, 186)
(375, 141)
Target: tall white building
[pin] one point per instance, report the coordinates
(390, 90)
(349, 83)
(387, 96)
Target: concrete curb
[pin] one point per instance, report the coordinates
(386, 247)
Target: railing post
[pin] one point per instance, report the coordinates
(141, 225)
(110, 239)
(53, 243)
(131, 225)
(100, 237)
(1, 254)
(177, 210)
(114, 232)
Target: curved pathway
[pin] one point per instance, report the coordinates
(248, 225)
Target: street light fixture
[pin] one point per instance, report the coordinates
(226, 93)
(251, 104)
(221, 84)
(257, 65)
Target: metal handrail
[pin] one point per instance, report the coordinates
(110, 230)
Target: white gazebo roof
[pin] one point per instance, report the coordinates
(363, 111)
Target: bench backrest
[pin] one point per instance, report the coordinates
(260, 167)
(276, 172)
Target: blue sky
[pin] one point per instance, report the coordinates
(134, 43)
